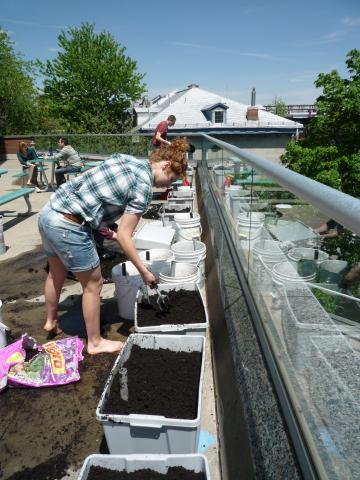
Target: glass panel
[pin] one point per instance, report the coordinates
(303, 270)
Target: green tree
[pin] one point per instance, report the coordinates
(18, 94)
(91, 82)
(280, 107)
(330, 151)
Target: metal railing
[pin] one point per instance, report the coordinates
(337, 205)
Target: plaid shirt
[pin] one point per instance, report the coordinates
(100, 196)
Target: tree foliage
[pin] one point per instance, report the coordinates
(280, 107)
(91, 82)
(330, 152)
(18, 94)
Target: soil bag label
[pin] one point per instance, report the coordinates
(52, 364)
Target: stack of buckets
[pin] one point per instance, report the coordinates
(249, 225)
(187, 226)
(189, 253)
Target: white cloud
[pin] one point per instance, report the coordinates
(262, 56)
(304, 77)
(351, 22)
(32, 24)
(333, 36)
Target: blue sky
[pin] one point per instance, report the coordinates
(227, 47)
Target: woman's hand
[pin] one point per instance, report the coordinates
(149, 278)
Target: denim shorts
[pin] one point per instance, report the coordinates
(73, 244)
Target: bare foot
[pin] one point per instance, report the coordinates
(51, 326)
(104, 346)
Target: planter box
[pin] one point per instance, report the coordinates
(302, 316)
(135, 433)
(334, 386)
(157, 463)
(183, 197)
(184, 328)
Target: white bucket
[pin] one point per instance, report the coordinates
(191, 252)
(284, 273)
(187, 226)
(249, 225)
(127, 281)
(303, 253)
(157, 258)
(183, 273)
(3, 329)
(269, 251)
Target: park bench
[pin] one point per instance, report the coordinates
(11, 196)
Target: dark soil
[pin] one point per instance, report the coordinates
(153, 212)
(173, 473)
(171, 210)
(160, 382)
(45, 431)
(185, 307)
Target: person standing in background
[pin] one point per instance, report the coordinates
(160, 134)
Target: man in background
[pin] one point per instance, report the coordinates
(160, 134)
(68, 159)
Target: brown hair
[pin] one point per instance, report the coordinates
(172, 118)
(174, 153)
(22, 146)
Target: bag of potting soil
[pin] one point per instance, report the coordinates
(13, 354)
(49, 365)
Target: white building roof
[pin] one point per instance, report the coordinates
(187, 106)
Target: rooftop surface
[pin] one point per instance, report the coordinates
(63, 417)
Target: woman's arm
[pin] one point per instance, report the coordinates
(126, 229)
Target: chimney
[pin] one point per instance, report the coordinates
(253, 97)
(252, 113)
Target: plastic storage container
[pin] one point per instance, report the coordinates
(183, 328)
(157, 258)
(157, 463)
(153, 235)
(152, 433)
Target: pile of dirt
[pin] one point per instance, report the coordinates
(45, 431)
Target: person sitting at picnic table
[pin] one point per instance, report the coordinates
(68, 161)
(24, 156)
(120, 187)
(330, 229)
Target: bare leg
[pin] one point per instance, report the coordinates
(53, 286)
(31, 174)
(91, 282)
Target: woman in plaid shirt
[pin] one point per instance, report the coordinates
(120, 187)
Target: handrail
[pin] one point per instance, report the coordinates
(343, 208)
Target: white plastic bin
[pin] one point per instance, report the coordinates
(183, 328)
(158, 463)
(152, 433)
(153, 235)
(187, 226)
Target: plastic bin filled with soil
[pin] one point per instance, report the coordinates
(170, 209)
(145, 467)
(152, 399)
(185, 311)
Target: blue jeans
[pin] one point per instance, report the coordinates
(72, 243)
(60, 173)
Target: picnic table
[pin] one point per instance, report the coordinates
(2, 171)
